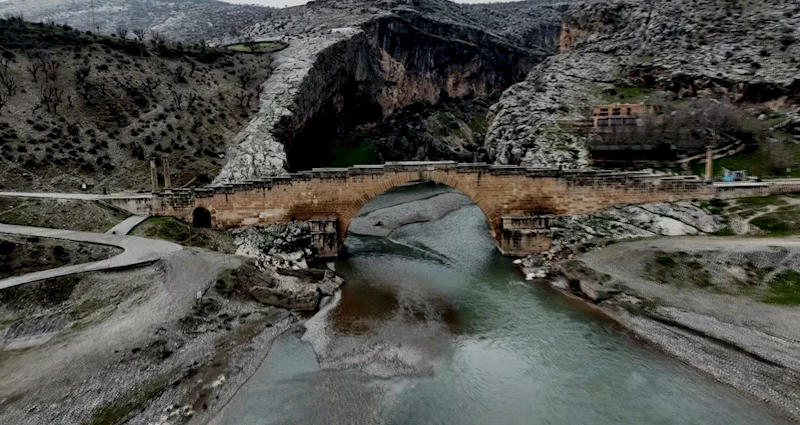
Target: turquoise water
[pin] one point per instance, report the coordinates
(435, 327)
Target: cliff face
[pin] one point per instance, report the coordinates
(393, 63)
(357, 64)
(745, 51)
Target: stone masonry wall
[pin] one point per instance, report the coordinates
(500, 191)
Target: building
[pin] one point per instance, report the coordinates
(622, 114)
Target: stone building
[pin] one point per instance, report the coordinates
(622, 114)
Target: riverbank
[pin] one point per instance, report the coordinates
(718, 304)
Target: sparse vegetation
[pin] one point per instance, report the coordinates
(784, 289)
(20, 255)
(170, 229)
(88, 108)
(779, 223)
(87, 216)
(677, 269)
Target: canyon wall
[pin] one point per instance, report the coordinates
(353, 64)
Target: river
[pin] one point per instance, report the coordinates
(435, 327)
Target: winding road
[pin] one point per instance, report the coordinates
(137, 251)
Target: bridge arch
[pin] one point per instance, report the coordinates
(350, 212)
(201, 217)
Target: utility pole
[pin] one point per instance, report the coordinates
(94, 23)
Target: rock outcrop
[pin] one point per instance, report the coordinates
(280, 275)
(573, 234)
(746, 51)
(356, 62)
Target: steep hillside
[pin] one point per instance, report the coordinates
(743, 52)
(184, 20)
(78, 108)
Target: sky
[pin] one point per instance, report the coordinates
(282, 3)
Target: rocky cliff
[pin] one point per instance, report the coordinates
(745, 51)
(352, 63)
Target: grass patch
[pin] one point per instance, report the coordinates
(116, 413)
(755, 163)
(262, 47)
(173, 230)
(761, 201)
(725, 231)
(624, 94)
(784, 289)
(678, 269)
(88, 307)
(714, 206)
(779, 223)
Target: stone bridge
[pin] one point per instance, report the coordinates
(517, 201)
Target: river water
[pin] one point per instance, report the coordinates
(435, 327)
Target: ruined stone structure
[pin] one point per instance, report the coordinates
(517, 201)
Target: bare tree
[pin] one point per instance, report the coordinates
(140, 33)
(50, 65)
(259, 90)
(157, 38)
(3, 101)
(245, 78)
(82, 73)
(177, 97)
(192, 67)
(191, 98)
(6, 80)
(34, 68)
(149, 85)
(121, 31)
(51, 96)
(10, 84)
(241, 97)
(180, 74)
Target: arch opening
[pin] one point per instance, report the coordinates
(201, 218)
(411, 202)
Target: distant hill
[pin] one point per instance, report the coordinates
(184, 20)
(78, 107)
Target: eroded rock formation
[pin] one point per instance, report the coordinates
(356, 62)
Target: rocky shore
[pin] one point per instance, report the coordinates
(710, 302)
